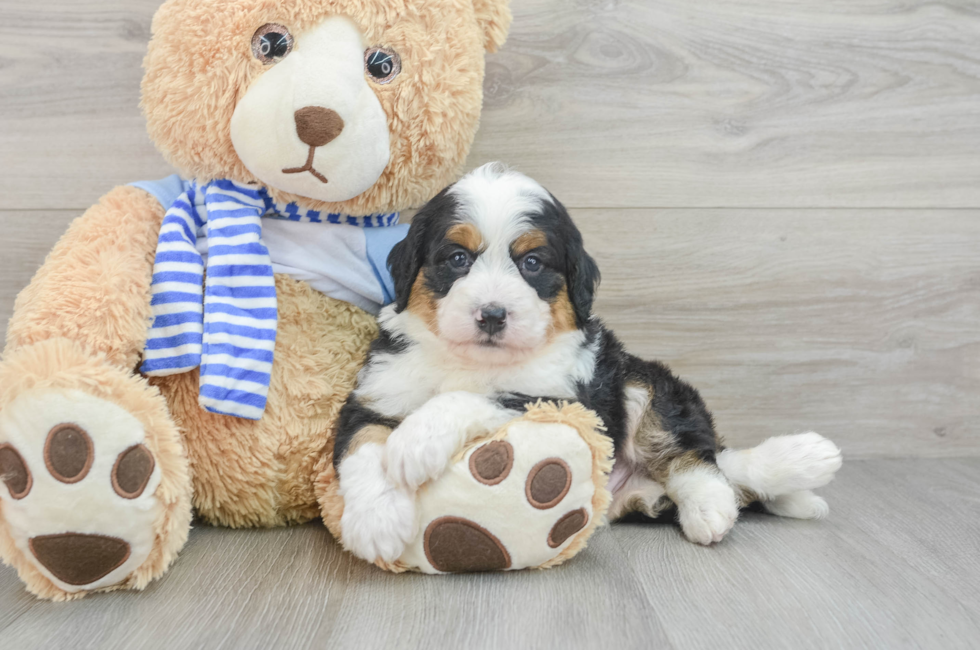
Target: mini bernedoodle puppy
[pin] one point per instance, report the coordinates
(493, 310)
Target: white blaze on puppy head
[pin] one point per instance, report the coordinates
(496, 269)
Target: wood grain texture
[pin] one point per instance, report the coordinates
(609, 102)
(834, 583)
(673, 103)
(774, 583)
(69, 101)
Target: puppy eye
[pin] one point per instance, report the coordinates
(272, 43)
(459, 260)
(382, 64)
(531, 264)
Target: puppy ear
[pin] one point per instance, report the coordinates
(408, 256)
(494, 18)
(405, 261)
(583, 278)
(582, 275)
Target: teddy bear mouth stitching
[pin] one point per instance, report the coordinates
(316, 126)
(308, 167)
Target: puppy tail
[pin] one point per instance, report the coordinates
(781, 472)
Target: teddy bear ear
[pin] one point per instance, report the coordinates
(494, 17)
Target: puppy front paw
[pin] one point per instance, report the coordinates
(707, 510)
(379, 519)
(419, 450)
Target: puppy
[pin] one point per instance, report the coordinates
(494, 310)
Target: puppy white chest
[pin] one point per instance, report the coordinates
(399, 383)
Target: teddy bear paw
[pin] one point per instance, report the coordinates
(77, 488)
(514, 502)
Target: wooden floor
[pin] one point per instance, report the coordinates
(784, 198)
(897, 565)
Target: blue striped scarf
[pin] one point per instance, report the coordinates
(227, 326)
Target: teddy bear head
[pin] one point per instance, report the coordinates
(349, 106)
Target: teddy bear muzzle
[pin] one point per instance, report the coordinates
(313, 125)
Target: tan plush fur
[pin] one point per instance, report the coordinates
(259, 473)
(198, 66)
(94, 286)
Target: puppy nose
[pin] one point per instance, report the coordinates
(493, 319)
(318, 126)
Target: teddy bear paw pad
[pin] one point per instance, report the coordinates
(79, 488)
(457, 545)
(511, 503)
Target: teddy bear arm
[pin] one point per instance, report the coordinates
(94, 286)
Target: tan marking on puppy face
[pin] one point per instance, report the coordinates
(466, 235)
(373, 433)
(562, 314)
(423, 304)
(528, 242)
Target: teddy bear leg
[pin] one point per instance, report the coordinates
(528, 496)
(96, 489)
(94, 482)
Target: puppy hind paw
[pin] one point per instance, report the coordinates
(798, 505)
(376, 535)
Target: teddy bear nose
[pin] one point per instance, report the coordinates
(318, 126)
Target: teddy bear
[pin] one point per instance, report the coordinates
(188, 343)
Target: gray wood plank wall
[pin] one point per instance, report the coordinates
(784, 197)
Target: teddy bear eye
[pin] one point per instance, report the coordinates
(382, 64)
(272, 43)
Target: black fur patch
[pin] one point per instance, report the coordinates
(388, 343)
(679, 406)
(519, 401)
(550, 280)
(438, 273)
(354, 416)
(568, 257)
(429, 228)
